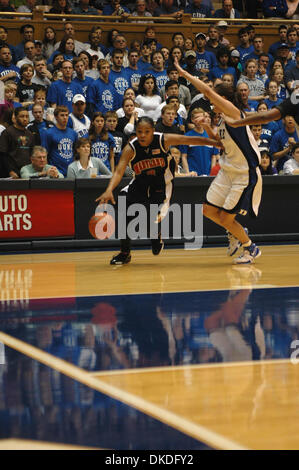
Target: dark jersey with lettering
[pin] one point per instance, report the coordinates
(153, 168)
(152, 161)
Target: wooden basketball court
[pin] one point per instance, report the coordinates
(237, 403)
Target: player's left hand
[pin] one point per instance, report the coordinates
(106, 197)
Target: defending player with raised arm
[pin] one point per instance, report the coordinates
(237, 187)
(153, 167)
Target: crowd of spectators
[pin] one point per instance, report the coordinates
(70, 107)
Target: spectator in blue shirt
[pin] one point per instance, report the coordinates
(194, 157)
(102, 142)
(282, 32)
(144, 63)
(101, 95)
(283, 53)
(278, 75)
(133, 71)
(197, 10)
(292, 41)
(227, 10)
(283, 141)
(167, 8)
(3, 39)
(258, 49)
(8, 71)
(118, 77)
(59, 141)
(268, 130)
(115, 8)
(243, 92)
(81, 79)
(222, 67)
(158, 70)
(27, 31)
(205, 60)
(245, 47)
(263, 67)
(275, 8)
(62, 92)
(292, 74)
(84, 9)
(272, 92)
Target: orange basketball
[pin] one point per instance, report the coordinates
(102, 226)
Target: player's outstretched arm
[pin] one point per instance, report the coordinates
(221, 103)
(178, 139)
(126, 156)
(255, 118)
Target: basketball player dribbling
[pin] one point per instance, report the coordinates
(237, 188)
(153, 166)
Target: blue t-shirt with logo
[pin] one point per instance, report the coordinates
(202, 11)
(279, 142)
(101, 149)
(134, 75)
(84, 84)
(244, 52)
(5, 70)
(119, 80)
(59, 144)
(205, 60)
(160, 76)
(62, 93)
(103, 96)
(268, 130)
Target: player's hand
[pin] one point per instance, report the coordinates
(199, 121)
(178, 67)
(106, 197)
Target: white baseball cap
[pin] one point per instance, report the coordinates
(79, 98)
(222, 23)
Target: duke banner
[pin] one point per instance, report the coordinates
(36, 214)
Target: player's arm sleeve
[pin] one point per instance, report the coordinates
(287, 108)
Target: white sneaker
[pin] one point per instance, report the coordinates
(233, 243)
(249, 254)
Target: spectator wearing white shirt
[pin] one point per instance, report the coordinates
(291, 166)
(30, 53)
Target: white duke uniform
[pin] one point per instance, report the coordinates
(237, 188)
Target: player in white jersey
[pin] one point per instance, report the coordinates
(237, 188)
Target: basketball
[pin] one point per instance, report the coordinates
(101, 226)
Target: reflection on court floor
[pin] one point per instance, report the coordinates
(197, 357)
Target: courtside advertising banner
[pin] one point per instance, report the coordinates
(36, 214)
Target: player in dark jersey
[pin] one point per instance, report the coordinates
(153, 168)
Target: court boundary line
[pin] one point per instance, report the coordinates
(191, 366)
(169, 418)
(262, 286)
